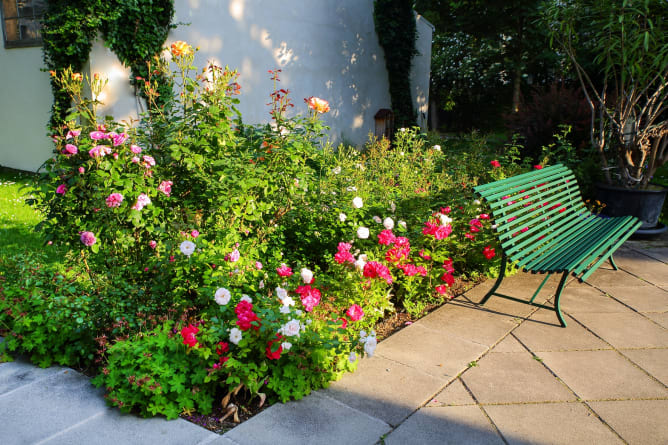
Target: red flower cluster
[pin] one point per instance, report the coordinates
(188, 334)
(246, 316)
(284, 271)
(475, 225)
(274, 355)
(355, 312)
(436, 230)
(374, 269)
(344, 255)
(488, 252)
(309, 296)
(495, 163)
(221, 349)
(448, 278)
(447, 265)
(412, 269)
(386, 237)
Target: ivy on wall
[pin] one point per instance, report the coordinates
(135, 30)
(397, 32)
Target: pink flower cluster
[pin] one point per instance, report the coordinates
(142, 201)
(284, 271)
(88, 238)
(114, 200)
(310, 296)
(188, 334)
(343, 255)
(355, 312)
(374, 269)
(436, 230)
(400, 251)
(165, 186)
(246, 316)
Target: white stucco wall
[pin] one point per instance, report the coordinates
(325, 48)
(25, 105)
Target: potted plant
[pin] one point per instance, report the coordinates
(619, 52)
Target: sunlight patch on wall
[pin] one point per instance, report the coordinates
(237, 10)
(358, 121)
(284, 55)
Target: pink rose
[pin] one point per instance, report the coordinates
(135, 160)
(142, 201)
(355, 312)
(114, 200)
(70, 150)
(233, 256)
(97, 135)
(386, 237)
(165, 187)
(284, 271)
(194, 233)
(72, 134)
(118, 139)
(152, 244)
(88, 238)
(82, 170)
(61, 189)
(135, 149)
(148, 161)
(258, 265)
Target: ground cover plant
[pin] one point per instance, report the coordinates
(207, 261)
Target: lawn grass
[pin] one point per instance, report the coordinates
(18, 220)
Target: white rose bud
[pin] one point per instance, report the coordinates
(377, 219)
(437, 147)
(362, 233)
(307, 275)
(388, 223)
(342, 217)
(357, 202)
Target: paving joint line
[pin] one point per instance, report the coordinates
(32, 382)
(484, 411)
(70, 428)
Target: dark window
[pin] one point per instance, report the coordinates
(22, 21)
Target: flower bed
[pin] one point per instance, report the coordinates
(211, 260)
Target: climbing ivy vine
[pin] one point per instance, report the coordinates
(396, 29)
(135, 30)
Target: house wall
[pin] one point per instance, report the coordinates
(25, 105)
(324, 48)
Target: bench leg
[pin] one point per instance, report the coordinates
(502, 273)
(612, 263)
(557, 299)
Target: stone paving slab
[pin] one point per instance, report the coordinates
(580, 298)
(660, 253)
(641, 422)
(550, 423)
(454, 394)
(540, 334)
(643, 266)
(601, 375)
(641, 298)
(659, 318)
(440, 356)
(625, 330)
(385, 389)
(445, 425)
(315, 419)
(37, 411)
(611, 277)
(513, 377)
(111, 427)
(469, 322)
(508, 344)
(654, 361)
(14, 375)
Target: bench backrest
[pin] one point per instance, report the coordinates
(533, 208)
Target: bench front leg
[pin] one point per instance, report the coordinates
(497, 283)
(557, 299)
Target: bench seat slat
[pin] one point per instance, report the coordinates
(542, 233)
(531, 206)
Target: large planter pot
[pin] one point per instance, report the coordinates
(645, 204)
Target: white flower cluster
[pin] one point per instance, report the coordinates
(369, 342)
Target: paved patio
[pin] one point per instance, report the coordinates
(505, 373)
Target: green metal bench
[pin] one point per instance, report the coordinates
(544, 227)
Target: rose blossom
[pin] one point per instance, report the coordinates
(235, 336)
(281, 294)
(284, 271)
(97, 135)
(291, 328)
(148, 161)
(370, 345)
(495, 163)
(194, 233)
(363, 233)
(187, 248)
(307, 275)
(222, 296)
(82, 170)
(88, 238)
(258, 265)
(118, 139)
(135, 149)
(61, 189)
(114, 200)
(316, 104)
(246, 298)
(73, 134)
(165, 187)
(388, 223)
(152, 244)
(309, 296)
(488, 252)
(286, 345)
(135, 160)
(386, 237)
(342, 217)
(142, 201)
(357, 202)
(188, 334)
(377, 219)
(70, 150)
(355, 312)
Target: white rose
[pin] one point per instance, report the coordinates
(261, 284)
(377, 219)
(298, 312)
(288, 301)
(352, 358)
(388, 223)
(291, 328)
(336, 170)
(222, 296)
(307, 275)
(187, 248)
(437, 147)
(370, 345)
(362, 233)
(359, 264)
(286, 345)
(281, 293)
(285, 309)
(357, 202)
(235, 335)
(245, 297)
(477, 202)
(342, 217)
(362, 336)
(445, 219)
